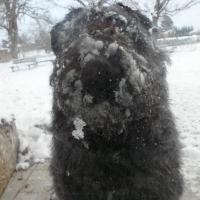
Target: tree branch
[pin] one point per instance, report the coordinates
(2, 26)
(187, 5)
(81, 2)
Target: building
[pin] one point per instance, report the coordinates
(4, 51)
(4, 55)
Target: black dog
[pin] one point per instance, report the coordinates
(114, 134)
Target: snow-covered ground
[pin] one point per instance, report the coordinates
(184, 82)
(26, 96)
(175, 41)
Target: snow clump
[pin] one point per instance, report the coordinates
(78, 132)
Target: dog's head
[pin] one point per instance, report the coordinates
(108, 70)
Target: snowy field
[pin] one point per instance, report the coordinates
(26, 96)
(184, 82)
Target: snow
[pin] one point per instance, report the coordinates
(26, 96)
(88, 99)
(116, 16)
(91, 47)
(36, 53)
(134, 74)
(175, 41)
(191, 38)
(184, 82)
(111, 13)
(78, 132)
(112, 49)
(122, 96)
(22, 166)
(122, 18)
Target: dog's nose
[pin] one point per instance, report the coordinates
(100, 79)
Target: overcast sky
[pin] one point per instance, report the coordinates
(186, 17)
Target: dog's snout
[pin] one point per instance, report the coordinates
(100, 79)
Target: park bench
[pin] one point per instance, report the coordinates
(24, 63)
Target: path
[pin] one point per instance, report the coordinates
(33, 184)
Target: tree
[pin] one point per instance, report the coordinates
(183, 31)
(169, 7)
(91, 2)
(42, 40)
(166, 23)
(10, 13)
(156, 7)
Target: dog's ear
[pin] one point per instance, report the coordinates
(56, 41)
(59, 32)
(144, 21)
(73, 12)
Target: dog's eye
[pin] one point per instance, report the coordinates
(118, 20)
(88, 99)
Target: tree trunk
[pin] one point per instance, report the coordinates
(155, 18)
(12, 29)
(13, 36)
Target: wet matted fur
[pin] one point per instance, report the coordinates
(114, 136)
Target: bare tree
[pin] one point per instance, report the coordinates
(10, 13)
(169, 7)
(160, 7)
(42, 39)
(81, 2)
(93, 2)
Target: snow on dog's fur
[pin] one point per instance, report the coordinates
(114, 134)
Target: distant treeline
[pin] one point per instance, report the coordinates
(183, 31)
(179, 32)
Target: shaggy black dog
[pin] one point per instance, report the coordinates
(114, 136)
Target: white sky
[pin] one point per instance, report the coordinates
(186, 17)
(189, 17)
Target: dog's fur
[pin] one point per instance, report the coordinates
(110, 79)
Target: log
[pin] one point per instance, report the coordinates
(8, 151)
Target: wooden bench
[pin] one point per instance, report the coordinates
(24, 63)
